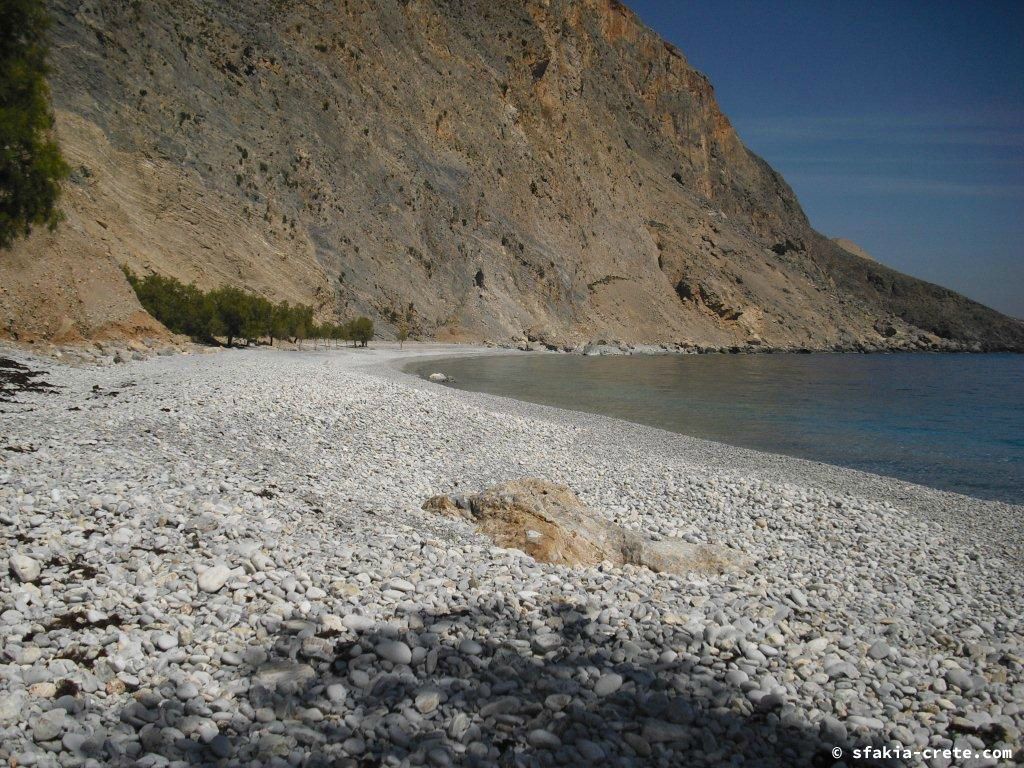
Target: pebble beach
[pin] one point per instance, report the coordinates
(221, 559)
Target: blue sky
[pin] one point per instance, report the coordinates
(899, 125)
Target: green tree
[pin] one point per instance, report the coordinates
(337, 333)
(302, 323)
(281, 322)
(316, 332)
(181, 308)
(31, 166)
(233, 309)
(402, 334)
(362, 330)
(227, 311)
(259, 319)
(205, 318)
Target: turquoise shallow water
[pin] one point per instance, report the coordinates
(954, 422)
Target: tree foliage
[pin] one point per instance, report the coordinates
(182, 308)
(232, 313)
(361, 331)
(31, 166)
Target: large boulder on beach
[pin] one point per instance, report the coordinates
(550, 523)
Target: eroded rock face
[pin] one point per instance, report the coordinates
(476, 169)
(549, 522)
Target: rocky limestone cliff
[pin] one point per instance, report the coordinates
(537, 169)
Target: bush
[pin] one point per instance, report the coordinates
(31, 166)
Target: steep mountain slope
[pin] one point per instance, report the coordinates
(543, 168)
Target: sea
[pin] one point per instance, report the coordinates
(948, 421)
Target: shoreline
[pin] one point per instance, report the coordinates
(224, 558)
(1004, 520)
(116, 350)
(659, 350)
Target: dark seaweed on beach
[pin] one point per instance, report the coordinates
(80, 620)
(16, 378)
(67, 688)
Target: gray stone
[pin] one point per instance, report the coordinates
(607, 684)
(394, 651)
(11, 706)
(540, 738)
(832, 731)
(959, 679)
(879, 650)
(556, 702)
(336, 692)
(427, 701)
(187, 691)
(658, 731)
(276, 674)
(358, 623)
(213, 578)
(545, 643)
(24, 568)
(504, 705)
(590, 750)
(220, 746)
(166, 641)
(736, 677)
(49, 725)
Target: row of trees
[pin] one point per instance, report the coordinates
(232, 313)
